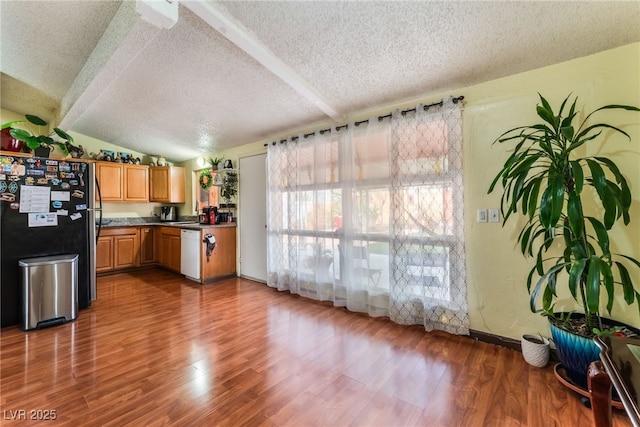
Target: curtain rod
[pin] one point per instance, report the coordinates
(380, 118)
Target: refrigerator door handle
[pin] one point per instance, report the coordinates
(99, 210)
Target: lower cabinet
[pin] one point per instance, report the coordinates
(117, 249)
(148, 243)
(169, 248)
(122, 248)
(104, 254)
(222, 260)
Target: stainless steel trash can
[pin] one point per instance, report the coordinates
(49, 290)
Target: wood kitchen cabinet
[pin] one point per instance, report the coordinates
(167, 184)
(110, 178)
(169, 248)
(117, 249)
(104, 254)
(148, 252)
(222, 262)
(136, 183)
(120, 182)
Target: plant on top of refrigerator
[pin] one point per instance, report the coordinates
(36, 139)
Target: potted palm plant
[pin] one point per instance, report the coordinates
(570, 202)
(214, 162)
(38, 142)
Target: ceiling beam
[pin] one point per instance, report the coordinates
(225, 26)
(126, 36)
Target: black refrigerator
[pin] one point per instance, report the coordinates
(46, 209)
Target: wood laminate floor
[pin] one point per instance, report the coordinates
(156, 349)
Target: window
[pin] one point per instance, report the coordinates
(383, 202)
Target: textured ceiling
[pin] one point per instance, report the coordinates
(97, 68)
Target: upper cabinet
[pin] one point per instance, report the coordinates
(122, 182)
(110, 178)
(167, 184)
(136, 183)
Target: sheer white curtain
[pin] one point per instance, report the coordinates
(370, 217)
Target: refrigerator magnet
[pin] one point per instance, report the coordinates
(43, 220)
(63, 196)
(17, 169)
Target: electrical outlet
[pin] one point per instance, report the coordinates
(482, 215)
(494, 215)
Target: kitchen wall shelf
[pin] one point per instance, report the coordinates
(218, 175)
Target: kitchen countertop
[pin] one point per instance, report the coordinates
(195, 225)
(187, 223)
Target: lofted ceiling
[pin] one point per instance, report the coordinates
(234, 72)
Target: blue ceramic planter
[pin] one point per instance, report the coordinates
(576, 352)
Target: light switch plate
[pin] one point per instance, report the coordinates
(482, 215)
(494, 215)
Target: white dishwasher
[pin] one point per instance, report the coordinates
(190, 254)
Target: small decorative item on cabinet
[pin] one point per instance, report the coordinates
(104, 155)
(75, 152)
(124, 157)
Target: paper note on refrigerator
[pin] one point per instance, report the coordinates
(34, 199)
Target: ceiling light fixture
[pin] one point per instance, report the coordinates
(260, 53)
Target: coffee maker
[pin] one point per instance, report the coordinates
(209, 215)
(168, 213)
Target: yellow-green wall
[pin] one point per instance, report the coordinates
(496, 271)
